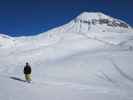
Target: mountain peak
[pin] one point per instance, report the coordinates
(94, 22)
(93, 15)
(101, 19)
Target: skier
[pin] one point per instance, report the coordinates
(27, 72)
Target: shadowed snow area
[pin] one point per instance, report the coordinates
(89, 58)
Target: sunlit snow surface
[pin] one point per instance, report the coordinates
(69, 63)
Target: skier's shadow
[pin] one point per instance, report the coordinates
(16, 78)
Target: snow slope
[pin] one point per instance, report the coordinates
(6, 41)
(88, 58)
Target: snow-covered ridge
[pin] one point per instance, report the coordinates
(5, 36)
(100, 18)
(94, 22)
(6, 41)
(90, 25)
(96, 26)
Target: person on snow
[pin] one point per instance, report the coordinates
(27, 72)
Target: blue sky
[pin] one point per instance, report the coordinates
(30, 17)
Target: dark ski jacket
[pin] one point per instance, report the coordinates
(27, 69)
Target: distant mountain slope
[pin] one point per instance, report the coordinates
(6, 41)
(95, 22)
(90, 25)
